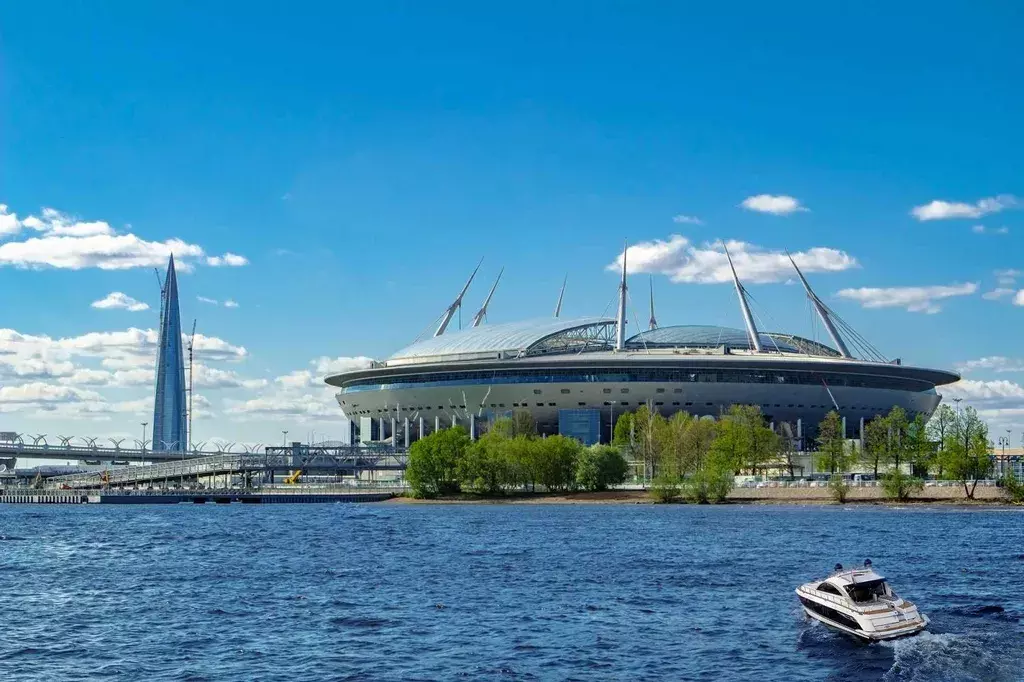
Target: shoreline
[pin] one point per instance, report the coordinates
(809, 496)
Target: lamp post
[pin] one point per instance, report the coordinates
(144, 425)
(1003, 442)
(284, 438)
(957, 401)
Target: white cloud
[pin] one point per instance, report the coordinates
(65, 242)
(325, 365)
(914, 299)
(776, 205)
(1007, 277)
(687, 220)
(120, 301)
(212, 301)
(995, 363)
(972, 390)
(981, 229)
(997, 293)
(944, 210)
(228, 259)
(683, 261)
(1018, 298)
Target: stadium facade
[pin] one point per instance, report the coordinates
(575, 376)
(170, 421)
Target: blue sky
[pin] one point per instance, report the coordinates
(361, 158)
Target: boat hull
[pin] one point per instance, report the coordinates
(867, 636)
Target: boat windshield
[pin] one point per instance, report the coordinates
(866, 591)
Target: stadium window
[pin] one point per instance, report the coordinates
(551, 404)
(659, 403)
(623, 390)
(606, 403)
(581, 404)
(493, 405)
(536, 391)
(676, 403)
(708, 404)
(540, 404)
(565, 391)
(688, 404)
(660, 390)
(624, 403)
(607, 390)
(677, 390)
(501, 404)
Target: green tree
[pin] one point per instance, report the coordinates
(876, 443)
(666, 488)
(939, 428)
(730, 446)
(833, 453)
(920, 450)
(696, 444)
(898, 447)
(433, 462)
(673, 458)
(625, 431)
(966, 455)
(556, 462)
(524, 456)
(649, 437)
(599, 467)
(485, 467)
(523, 424)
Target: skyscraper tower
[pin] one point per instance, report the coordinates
(170, 430)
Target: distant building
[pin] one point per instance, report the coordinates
(170, 423)
(576, 376)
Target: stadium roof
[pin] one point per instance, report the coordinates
(507, 337)
(709, 336)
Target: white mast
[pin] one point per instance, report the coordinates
(653, 324)
(620, 322)
(454, 307)
(748, 319)
(826, 319)
(558, 306)
(482, 313)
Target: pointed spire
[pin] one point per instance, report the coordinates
(822, 311)
(620, 321)
(748, 319)
(170, 426)
(653, 324)
(456, 304)
(561, 292)
(482, 313)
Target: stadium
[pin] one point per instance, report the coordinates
(575, 376)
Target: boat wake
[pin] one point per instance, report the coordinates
(931, 657)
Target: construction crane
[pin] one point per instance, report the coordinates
(191, 356)
(293, 477)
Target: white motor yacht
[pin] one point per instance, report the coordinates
(859, 602)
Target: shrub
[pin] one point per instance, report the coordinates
(899, 486)
(839, 488)
(599, 467)
(709, 485)
(1013, 487)
(665, 488)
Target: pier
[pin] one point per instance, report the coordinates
(272, 496)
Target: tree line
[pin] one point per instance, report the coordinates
(509, 457)
(683, 454)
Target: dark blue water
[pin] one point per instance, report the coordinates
(401, 592)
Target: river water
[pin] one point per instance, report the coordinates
(503, 592)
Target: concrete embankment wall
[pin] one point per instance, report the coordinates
(794, 494)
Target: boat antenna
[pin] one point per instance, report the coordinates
(456, 305)
(561, 292)
(822, 311)
(482, 313)
(741, 292)
(620, 321)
